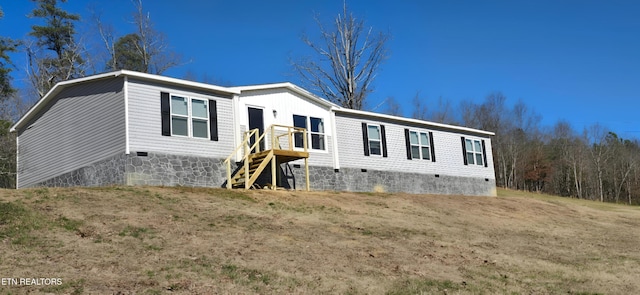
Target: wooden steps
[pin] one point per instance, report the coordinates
(259, 161)
(253, 164)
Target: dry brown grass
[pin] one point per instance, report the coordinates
(149, 240)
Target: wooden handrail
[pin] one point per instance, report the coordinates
(289, 134)
(244, 143)
(275, 144)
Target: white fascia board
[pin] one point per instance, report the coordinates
(413, 121)
(290, 86)
(180, 82)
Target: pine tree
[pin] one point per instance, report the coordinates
(6, 45)
(56, 56)
(128, 55)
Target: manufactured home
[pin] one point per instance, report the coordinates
(130, 128)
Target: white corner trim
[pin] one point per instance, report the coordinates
(235, 108)
(126, 115)
(334, 129)
(17, 162)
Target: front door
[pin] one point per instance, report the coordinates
(256, 121)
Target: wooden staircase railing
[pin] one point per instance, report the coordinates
(255, 161)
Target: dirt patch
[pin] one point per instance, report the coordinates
(150, 240)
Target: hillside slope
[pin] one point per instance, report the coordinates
(149, 240)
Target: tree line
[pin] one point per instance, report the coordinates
(56, 52)
(593, 163)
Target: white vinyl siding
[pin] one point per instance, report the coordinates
(146, 126)
(83, 124)
(287, 103)
(447, 149)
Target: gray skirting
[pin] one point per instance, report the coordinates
(172, 170)
(358, 180)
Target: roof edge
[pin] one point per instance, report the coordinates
(415, 121)
(176, 81)
(287, 85)
(53, 91)
(144, 76)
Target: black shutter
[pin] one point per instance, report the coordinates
(365, 139)
(484, 154)
(433, 153)
(213, 120)
(407, 141)
(165, 112)
(464, 151)
(384, 141)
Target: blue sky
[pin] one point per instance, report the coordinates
(572, 60)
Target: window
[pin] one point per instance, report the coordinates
(374, 140)
(474, 152)
(188, 116)
(199, 118)
(300, 122)
(316, 133)
(420, 148)
(419, 145)
(179, 116)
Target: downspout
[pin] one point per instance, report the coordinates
(126, 115)
(336, 158)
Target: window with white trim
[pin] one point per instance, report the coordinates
(420, 147)
(316, 132)
(375, 140)
(189, 117)
(474, 152)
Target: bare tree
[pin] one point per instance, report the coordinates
(420, 110)
(353, 55)
(600, 154)
(145, 50)
(153, 47)
(443, 112)
(107, 39)
(393, 107)
(622, 164)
